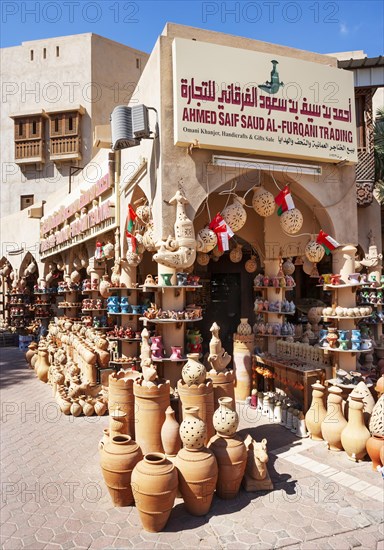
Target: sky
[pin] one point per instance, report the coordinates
(314, 25)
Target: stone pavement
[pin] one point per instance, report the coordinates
(53, 495)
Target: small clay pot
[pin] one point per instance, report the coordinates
(375, 446)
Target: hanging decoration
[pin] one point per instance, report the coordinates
(99, 252)
(291, 221)
(263, 202)
(327, 242)
(288, 267)
(236, 254)
(223, 232)
(202, 258)
(307, 266)
(148, 237)
(235, 215)
(143, 212)
(314, 251)
(284, 201)
(251, 264)
(314, 272)
(299, 260)
(131, 217)
(206, 239)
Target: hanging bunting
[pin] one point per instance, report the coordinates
(131, 217)
(223, 232)
(327, 242)
(131, 241)
(284, 201)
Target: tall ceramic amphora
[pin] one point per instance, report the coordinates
(317, 412)
(196, 464)
(334, 421)
(355, 435)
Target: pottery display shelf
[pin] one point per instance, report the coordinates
(176, 288)
(334, 382)
(353, 351)
(352, 286)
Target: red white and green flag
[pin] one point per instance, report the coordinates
(131, 241)
(131, 217)
(326, 241)
(284, 201)
(223, 232)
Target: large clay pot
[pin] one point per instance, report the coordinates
(375, 446)
(151, 404)
(242, 365)
(34, 360)
(198, 473)
(382, 455)
(43, 364)
(225, 418)
(376, 423)
(231, 456)
(193, 371)
(118, 456)
(121, 395)
(32, 350)
(170, 437)
(355, 435)
(317, 412)
(368, 401)
(223, 385)
(200, 396)
(154, 485)
(334, 421)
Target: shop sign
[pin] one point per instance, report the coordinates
(262, 103)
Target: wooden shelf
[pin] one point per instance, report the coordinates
(274, 336)
(346, 318)
(116, 338)
(337, 350)
(94, 309)
(126, 314)
(343, 285)
(170, 320)
(164, 359)
(279, 313)
(334, 382)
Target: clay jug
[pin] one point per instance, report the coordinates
(43, 365)
(355, 435)
(118, 457)
(231, 456)
(193, 371)
(376, 423)
(225, 419)
(121, 395)
(32, 350)
(151, 404)
(118, 422)
(88, 408)
(154, 486)
(104, 286)
(334, 421)
(375, 446)
(100, 407)
(170, 437)
(317, 412)
(65, 405)
(76, 408)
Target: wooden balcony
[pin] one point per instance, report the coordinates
(65, 148)
(29, 151)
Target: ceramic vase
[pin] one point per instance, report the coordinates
(198, 471)
(375, 446)
(225, 419)
(355, 435)
(154, 484)
(104, 286)
(32, 350)
(244, 328)
(192, 429)
(317, 412)
(167, 278)
(43, 364)
(193, 371)
(170, 437)
(231, 456)
(76, 408)
(368, 401)
(200, 396)
(118, 457)
(332, 337)
(334, 421)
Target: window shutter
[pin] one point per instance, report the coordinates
(56, 126)
(20, 129)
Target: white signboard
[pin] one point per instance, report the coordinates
(241, 100)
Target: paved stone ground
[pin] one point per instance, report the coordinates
(53, 495)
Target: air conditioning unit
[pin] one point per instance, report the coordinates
(140, 122)
(122, 128)
(36, 212)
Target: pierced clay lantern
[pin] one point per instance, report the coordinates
(206, 240)
(288, 267)
(202, 258)
(263, 202)
(291, 221)
(314, 252)
(235, 214)
(236, 254)
(251, 265)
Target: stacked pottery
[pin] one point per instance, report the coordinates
(334, 421)
(154, 485)
(151, 403)
(229, 450)
(195, 391)
(317, 412)
(375, 444)
(355, 435)
(196, 464)
(118, 422)
(120, 395)
(118, 456)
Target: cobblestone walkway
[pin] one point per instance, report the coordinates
(53, 495)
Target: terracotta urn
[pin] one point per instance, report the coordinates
(120, 395)
(100, 407)
(150, 406)
(170, 437)
(225, 418)
(104, 286)
(76, 408)
(118, 457)
(32, 350)
(334, 421)
(154, 484)
(198, 471)
(193, 371)
(43, 364)
(317, 412)
(355, 435)
(231, 456)
(375, 446)
(65, 405)
(368, 401)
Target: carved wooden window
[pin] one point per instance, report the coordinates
(29, 137)
(56, 125)
(360, 121)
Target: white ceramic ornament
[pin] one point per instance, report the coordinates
(234, 214)
(263, 202)
(291, 221)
